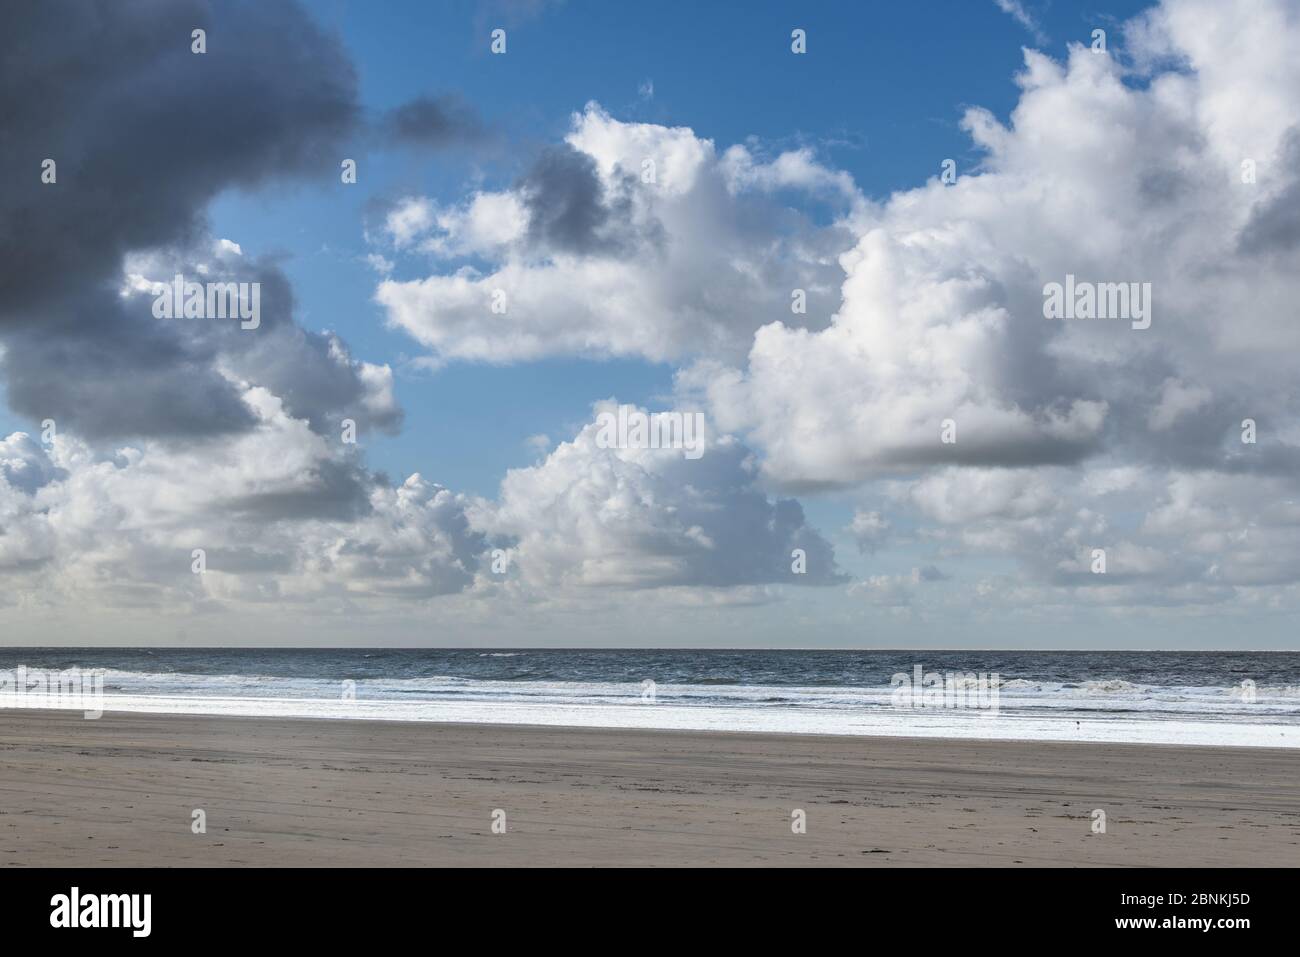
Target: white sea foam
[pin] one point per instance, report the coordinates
(1099, 710)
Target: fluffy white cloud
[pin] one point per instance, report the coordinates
(1074, 435)
(280, 512)
(1103, 174)
(590, 516)
(408, 219)
(631, 240)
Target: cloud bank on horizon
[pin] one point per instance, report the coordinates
(1041, 469)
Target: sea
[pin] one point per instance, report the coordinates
(1248, 699)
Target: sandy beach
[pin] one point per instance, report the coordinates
(122, 790)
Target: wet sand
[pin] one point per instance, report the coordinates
(122, 791)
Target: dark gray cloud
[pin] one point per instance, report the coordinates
(1275, 226)
(308, 371)
(145, 133)
(565, 200)
(930, 573)
(435, 121)
(752, 537)
(569, 209)
(332, 490)
(102, 368)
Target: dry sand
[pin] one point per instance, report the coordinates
(121, 791)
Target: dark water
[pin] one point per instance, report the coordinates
(827, 669)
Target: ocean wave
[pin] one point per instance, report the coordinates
(1112, 686)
